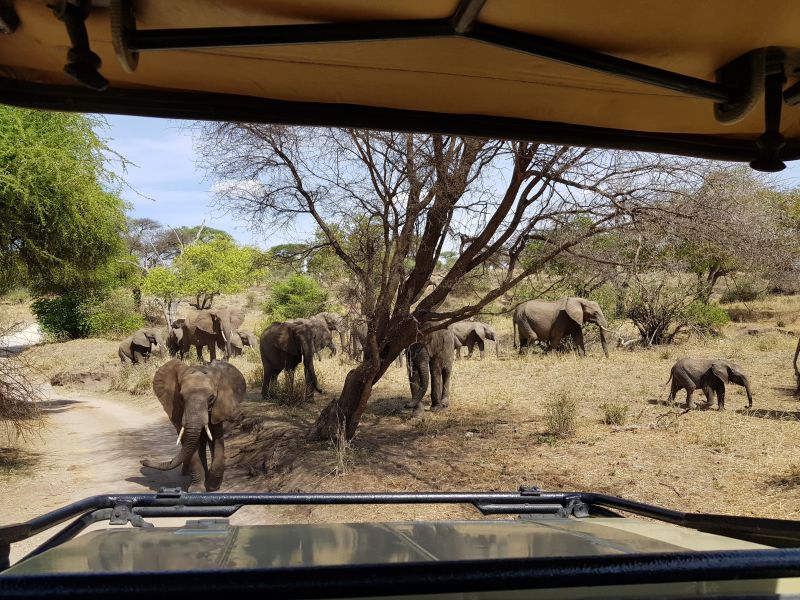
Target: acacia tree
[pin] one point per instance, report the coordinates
(420, 191)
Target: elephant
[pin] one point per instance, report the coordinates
(710, 375)
(137, 347)
(797, 368)
(209, 328)
(551, 322)
(322, 335)
(334, 322)
(431, 359)
(283, 346)
(249, 339)
(198, 399)
(175, 338)
(239, 339)
(472, 333)
(358, 337)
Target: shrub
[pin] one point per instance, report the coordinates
(615, 414)
(743, 290)
(707, 318)
(62, 317)
(19, 411)
(661, 309)
(113, 316)
(296, 296)
(561, 415)
(608, 297)
(78, 315)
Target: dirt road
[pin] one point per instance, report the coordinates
(89, 445)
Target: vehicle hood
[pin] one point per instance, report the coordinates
(214, 544)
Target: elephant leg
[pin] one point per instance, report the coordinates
(480, 347)
(577, 337)
(446, 372)
(720, 396)
(217, 470)
(555, 341)
(212, 352)
(137, 357)
(708, 392)
(270, 377)
(436, 385)
(418, 378)
(199, 350)
(689, 402)
(673, 391)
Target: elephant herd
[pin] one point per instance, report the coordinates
(198, 399)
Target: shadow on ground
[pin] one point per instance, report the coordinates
(775, 415)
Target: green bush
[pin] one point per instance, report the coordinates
(78, 315)
(707, 318)
(62, 317)
(608, 297)
(114, 315)
(294, 297)
(742, 290)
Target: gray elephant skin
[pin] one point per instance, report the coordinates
(284, 346)
(551, 322)
(358, 338)
(138, 347)
(430, 360)
(238, 340)
(322, 335)
(471, 334)
(175, 338)
(710, 375)
(210, 328)
(334, 322)
(198, 399)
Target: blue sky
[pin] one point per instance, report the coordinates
(164, 183)
(166, 186)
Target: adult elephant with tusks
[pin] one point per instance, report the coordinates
(710, 375)
(210, 328)
(430, 360)
(198, 399)
(334, 322)
(551, 322)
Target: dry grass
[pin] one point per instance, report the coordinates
(615, 413)
(561, 415)
(137, 379)
(19, 394)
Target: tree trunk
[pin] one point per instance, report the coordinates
(350, 405)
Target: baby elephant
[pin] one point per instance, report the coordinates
(710, 375)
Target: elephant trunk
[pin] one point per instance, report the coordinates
(191, 440)
(603, 342)
(746, 384)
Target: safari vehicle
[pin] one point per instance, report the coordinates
(711, 79)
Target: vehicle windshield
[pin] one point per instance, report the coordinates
(225, 306)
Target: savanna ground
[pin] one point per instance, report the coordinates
(494, 436)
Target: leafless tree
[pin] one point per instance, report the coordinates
(19, 412)
(422, 193)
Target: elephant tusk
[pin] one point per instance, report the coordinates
(180, 435)
(222, 331)
(208, 433)
(607, 329)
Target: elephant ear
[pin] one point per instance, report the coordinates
(720, 370)
(167, 386)
(231, 387)
(140, 338)
(203, 320)
(574, 310)
(237, 318)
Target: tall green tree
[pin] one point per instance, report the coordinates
(61, 217)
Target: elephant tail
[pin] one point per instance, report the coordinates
(670, 378)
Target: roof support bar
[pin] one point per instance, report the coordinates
(462, 23)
